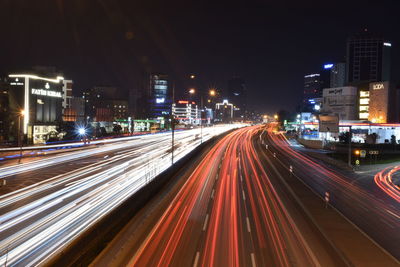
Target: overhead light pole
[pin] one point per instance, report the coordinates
(172, 124)
(21, 114)
(211, 92)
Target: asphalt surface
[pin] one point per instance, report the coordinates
(227, 210)
(358, 198)
(48, 202)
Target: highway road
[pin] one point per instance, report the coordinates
(225, 212)
(50, 201)
(364, 204)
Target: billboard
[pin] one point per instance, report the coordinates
(328, 124)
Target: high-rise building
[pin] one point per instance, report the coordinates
(238, 96)
(368, 58)
(333, 75)
(186, 112)
(312, 89)
(338, 75)
(159, 96)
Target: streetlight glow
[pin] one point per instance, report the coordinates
(212, 92)
(192, 91)
(81, 131)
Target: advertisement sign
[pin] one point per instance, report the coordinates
(328, 124)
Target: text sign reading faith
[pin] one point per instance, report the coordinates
(45, 92)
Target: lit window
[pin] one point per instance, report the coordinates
(364, 101)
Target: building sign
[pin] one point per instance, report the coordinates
(329, 124)
(160, 100)
(378, 86)
(45, 92)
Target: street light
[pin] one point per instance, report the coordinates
(211, 92)
(82, 133)
(276, 116)
(21, 114)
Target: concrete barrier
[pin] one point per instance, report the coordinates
(316, 144)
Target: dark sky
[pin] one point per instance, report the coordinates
(112, 42)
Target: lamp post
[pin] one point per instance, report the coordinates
(172, 124)
(211, 92)
(21, 114)
(349, 157)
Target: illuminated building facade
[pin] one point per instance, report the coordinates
(381, 103)
(224, 112)
(160, 102)
(341, 102)
(186, 112)
(40, 99)
(312, 90)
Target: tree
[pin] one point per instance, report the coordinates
(117, 129)
(344, 137)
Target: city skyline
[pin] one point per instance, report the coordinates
(113, 43)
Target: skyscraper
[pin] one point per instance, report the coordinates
(338, 75)
(368, 58)
(238, 96)
(160, 101)
(333, 75)
(312, 86)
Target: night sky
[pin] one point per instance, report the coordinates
(111, 42)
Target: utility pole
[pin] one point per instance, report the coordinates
(172, 124)
(201, 118)
(349, 159)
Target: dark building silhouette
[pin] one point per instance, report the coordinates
(368, 58)
(237, 94)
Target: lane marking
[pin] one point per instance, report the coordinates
(395, 215)
(388, 224)
(212, 193)
(248, 224)
(253, 260)
(244, 196)
(205, 223)
(216, 177)
(196, 260)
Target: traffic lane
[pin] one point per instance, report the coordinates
(319, 247)
(47, 174)
(362, 179)
(71, 156)
(33, 198)
(59, 159)
(353, 202)
(109, 198)
(296, 239)
(120, 250)
(228, 241)
(172, 239)
(65, 224)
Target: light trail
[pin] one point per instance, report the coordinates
(362, 204)
(384, 180)
(38, 221)
(240, 229)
